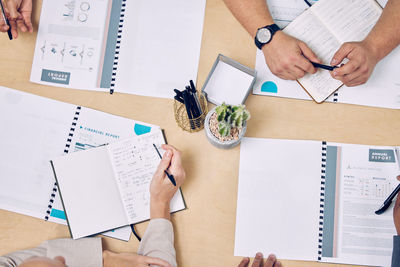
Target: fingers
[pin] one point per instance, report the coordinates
(258, 260)
(244, 262)
(28, 22)
(271, 261)
(165, 161)
(21, 25)
(3, 25)
(309, 54)
(156, 261)
(341, 54)
(11, 7)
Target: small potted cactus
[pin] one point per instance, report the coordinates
(225, 125)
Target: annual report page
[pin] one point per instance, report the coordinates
(365, 178)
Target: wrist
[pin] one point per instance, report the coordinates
(373, 49)
(159, 209)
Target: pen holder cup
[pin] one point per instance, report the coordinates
(182, 119)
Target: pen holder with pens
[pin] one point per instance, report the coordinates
(181, 116)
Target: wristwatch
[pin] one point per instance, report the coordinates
(264, 35)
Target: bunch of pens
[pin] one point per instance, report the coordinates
(190, 108)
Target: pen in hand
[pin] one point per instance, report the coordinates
(170, 176)
(322, 66)
(6, 21)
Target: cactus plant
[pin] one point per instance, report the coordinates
(229, 116)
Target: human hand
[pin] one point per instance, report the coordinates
(396, 212)
(111, 259)
(358, 69)
(259, 261)
(289, 58)
(161, 188)
(19, 14)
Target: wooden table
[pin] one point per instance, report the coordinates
(205, 232)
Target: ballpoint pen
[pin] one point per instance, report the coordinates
(170, 176)
(322, 66)
(388, 200)
(6, 21)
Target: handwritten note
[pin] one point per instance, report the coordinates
(134, 162)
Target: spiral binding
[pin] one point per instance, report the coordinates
(322, 199)
(117, 46)
(66, 150)
(335, 97)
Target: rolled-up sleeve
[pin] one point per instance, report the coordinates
(158, 241)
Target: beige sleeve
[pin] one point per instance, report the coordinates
(158, 241)
(15, 258)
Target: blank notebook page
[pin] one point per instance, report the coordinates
(278, 198)
(90, 195)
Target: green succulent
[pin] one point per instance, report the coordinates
(229, 116)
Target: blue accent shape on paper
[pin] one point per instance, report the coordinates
(141, 129)
(269, 87)
(58, 214)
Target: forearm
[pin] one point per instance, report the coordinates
(385, 36)
(252, 14)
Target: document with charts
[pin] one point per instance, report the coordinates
(324, 27)
(36, 129)
(144, 47)
(318, 201)
(121, 171)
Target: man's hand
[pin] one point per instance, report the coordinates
(396, 212)
(259, 261)
(19, 14)
(111, 259)
(289, 58)
(161, 188)
(358, 69)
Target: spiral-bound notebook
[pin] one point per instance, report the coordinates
(122, 172)
(315, 201)
(145, 47)
(36, 129)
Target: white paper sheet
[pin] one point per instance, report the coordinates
(278, 198)
(160, 46)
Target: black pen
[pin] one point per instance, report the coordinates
(322, 66)
(170, 176)
(388, 201)
(6, 21)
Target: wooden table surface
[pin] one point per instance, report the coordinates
(205, 232)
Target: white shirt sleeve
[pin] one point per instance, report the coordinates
(158, 241)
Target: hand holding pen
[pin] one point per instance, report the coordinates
(16, 14)
(161, 189)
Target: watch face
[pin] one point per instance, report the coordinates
(263, 35)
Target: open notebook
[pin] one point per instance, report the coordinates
(315, 201)
(144, 47)
(113, 182)
(324, 27)
(37, 129)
